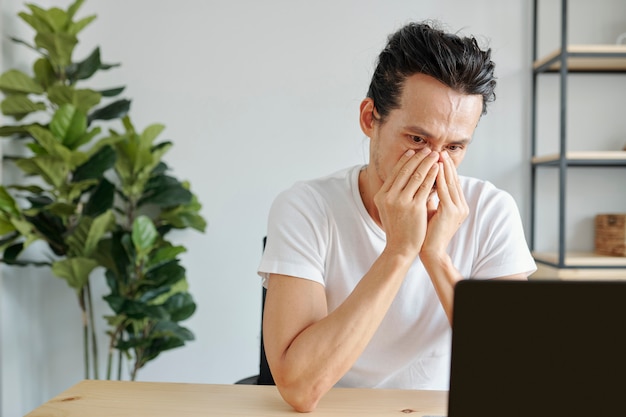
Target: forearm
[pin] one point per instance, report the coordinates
(444, 276)
(314, 359)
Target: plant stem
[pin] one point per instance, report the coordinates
(94, 344)
(81, 303)
(119, 365)
(114, 336)
(109, 363)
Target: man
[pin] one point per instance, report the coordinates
(360, 266)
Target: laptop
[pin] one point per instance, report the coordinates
(538, 348)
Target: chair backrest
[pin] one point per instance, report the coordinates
(265, 375)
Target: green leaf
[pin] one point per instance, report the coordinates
(20, 105)
(97, 165)
(25, 227)
(57, 18)
(76, 27)
(75, 271)
(144, 235)
(62, 209)
(8, 236)
(68, 124)
(86, 138)
(51, 227)
(12, 252)
(15, 130)
(178, 287)
(164, 255)
(115, 302)
(71, 11)
(168, 274)
(36, 23)
(113, 256)
(50, 143)
(115, 110)
(151, 133)
(165, 191)
(100, 226)
(52, 169)
(14, 81)
(101, 199)
(171, 329)
(153, 293)
(44, 73)
(112, 92)
(114, 321)
(8, 203)
(138, 310)
(37, 201)
(84, 100)
(180, 218)
(6, 227)
(74, 190)
(159, 345)
(59, 46)
(185, 215)
(88, 67)
(180, 306)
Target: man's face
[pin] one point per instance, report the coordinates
(430, 115)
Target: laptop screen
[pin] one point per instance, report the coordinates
(538, 348)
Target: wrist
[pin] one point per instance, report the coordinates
(439, 264)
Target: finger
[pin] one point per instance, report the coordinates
(389, 181)
(443, 190)
(453, 186)
(420, 177)
(425, 188)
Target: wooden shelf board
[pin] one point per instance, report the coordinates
(583, 155)
(547, 272)
(616, 61)
(583, 259)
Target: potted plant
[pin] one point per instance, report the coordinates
(99, 199)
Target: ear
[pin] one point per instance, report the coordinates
(366, 116)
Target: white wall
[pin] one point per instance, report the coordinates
(255, 95)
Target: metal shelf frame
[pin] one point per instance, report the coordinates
(561, 161)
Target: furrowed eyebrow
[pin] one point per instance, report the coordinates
(418, 131)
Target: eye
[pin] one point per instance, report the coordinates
(418, 140)
(455, 148)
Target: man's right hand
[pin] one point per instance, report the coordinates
(402, 201)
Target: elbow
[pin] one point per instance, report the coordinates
(301, 396)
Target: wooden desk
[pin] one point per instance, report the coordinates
(155, 399)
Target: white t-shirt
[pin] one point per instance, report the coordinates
(320, 230)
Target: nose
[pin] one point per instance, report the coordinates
(441, 153)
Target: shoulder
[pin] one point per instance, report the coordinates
(484, 193)
(320, 190)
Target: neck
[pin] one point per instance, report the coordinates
(368, 188)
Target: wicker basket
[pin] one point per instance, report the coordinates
(610, 236)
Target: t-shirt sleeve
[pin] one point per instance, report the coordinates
(502, 247)
(296, 235)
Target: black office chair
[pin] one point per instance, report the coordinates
(265, 375)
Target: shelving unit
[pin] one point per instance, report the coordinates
(568, 59)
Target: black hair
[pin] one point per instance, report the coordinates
(457, 62)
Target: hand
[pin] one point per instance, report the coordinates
(445, 219)
(401, 201)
